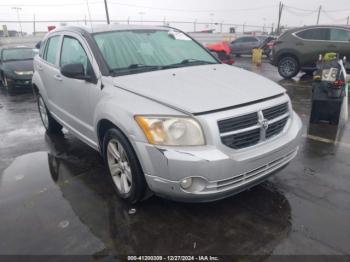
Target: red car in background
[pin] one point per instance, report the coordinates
(223, 50)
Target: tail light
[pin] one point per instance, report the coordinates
(338, 83)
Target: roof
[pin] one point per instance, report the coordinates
(318, 26)
(106, 28)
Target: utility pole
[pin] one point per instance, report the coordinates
(319, 13)
(195, 25)
(280, 9)
(347, 21)
(107, 15)
(34, 24)
(18, 18)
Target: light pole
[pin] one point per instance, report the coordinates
(18, 18)
(264, 26)
(141, 16)
(107, 14)
(211, 20)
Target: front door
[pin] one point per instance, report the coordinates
(76, 106)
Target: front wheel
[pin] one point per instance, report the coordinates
(6, 84)
(124, 169)
(50, 124)
(288, 67)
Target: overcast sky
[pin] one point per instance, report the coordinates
(250, 12)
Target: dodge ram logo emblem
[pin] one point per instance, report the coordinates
(264, 124)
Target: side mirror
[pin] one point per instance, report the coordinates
(37, 46)
(75, 71)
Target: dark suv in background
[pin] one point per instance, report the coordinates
(298, 49)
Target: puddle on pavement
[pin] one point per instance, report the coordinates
(63, 205)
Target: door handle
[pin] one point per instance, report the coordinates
(299, 43)
(331, 46)
(40, 68)
(58, 77)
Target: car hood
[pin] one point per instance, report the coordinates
(198, 89)
(22, 65)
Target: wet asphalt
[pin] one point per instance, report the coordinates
(55, 199)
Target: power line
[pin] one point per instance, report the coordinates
(193, 10)
(47, 5)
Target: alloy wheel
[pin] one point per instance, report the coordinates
(119, 166)
(288, 67)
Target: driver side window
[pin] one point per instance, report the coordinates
(73, 53)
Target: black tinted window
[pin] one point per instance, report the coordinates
(315, 34)
(250, 39)
(340, 35)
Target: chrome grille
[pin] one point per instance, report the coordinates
(276, 127)
(237, 123)
(275, 111)
(250, 129)
(243, 139)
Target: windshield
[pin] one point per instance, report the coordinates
(150, 49)
(18, 54)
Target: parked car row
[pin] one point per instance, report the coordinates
(16, 67)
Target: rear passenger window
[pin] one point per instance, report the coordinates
(315, 34)
(340, 35)
(250, 39)
(51, 50)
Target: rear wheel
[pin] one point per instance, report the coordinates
(288, 67)
(124, 169)
(50, 124)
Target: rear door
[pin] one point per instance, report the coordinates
(76, 93)
(48, 70)
(236, 46)
(311, 43)
(249, 43)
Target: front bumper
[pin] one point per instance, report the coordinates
(19, 82)
(217, 173)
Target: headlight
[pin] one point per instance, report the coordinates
(24, 72)
(171, 131)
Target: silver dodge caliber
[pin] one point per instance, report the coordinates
(164, 113)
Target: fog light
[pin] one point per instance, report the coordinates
(186, 183)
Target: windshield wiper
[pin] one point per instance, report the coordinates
(137, 66)
(190, 61)
(134, 68)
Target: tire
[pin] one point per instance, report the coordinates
(50, 124)
(2, 79)
(5, 84)
(123, 166)
(288, 67)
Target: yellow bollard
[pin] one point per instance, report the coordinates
(257, 56)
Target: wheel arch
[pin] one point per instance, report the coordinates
(288, 54)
